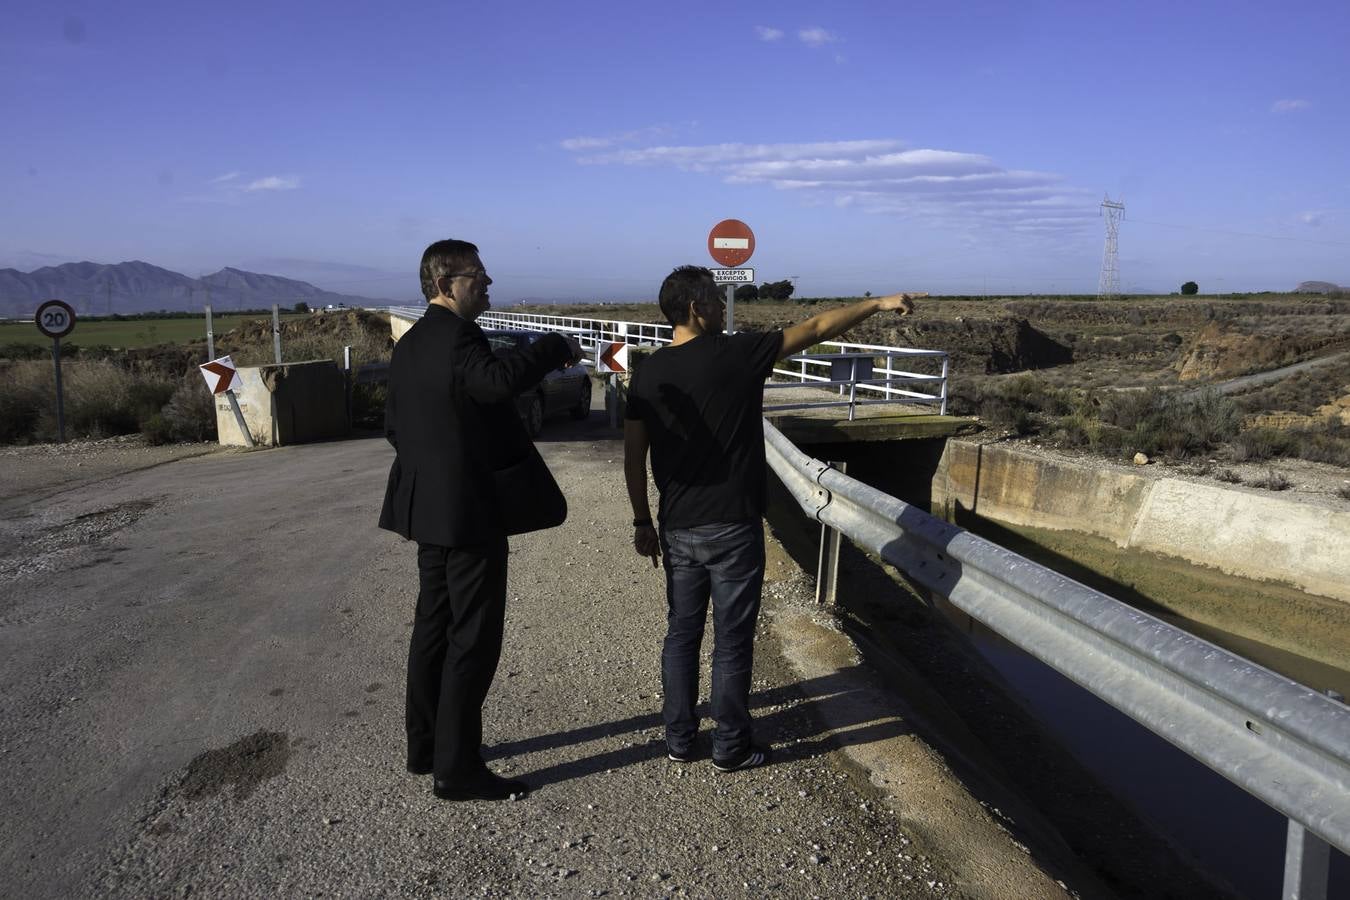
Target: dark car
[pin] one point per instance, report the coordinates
(564, 389)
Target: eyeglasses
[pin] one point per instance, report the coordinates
(473, 273)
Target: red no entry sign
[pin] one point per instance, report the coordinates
(731, 242)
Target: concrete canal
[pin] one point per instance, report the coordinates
(1153, 821)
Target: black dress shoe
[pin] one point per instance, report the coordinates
(419, 770)
(483, 786)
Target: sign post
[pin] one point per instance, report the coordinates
(221, 378)
(731, 243)
(210, 335)
(56, 319)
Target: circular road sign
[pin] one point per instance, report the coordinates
(731, 242)
(55, 318)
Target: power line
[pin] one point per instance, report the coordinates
(1269, 237)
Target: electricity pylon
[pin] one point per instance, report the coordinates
(1109, 285)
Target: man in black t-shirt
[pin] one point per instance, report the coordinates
(698, 406)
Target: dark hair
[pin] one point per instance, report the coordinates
(685, 284)
(444, 258)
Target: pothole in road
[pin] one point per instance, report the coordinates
(243, 765)
(40, 551)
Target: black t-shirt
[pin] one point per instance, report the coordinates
(703, 405)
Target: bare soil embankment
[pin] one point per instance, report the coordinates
(1052, 371)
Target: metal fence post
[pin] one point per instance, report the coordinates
(852, 388)
(943, 410)
(1307, 859)
(276, 332)
(210, 337)
(348, 380)
(827, 566)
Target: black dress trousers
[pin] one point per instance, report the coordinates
(456, 643)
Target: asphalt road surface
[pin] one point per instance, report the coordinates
(202, 694)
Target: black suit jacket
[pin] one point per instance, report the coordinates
(452, 419)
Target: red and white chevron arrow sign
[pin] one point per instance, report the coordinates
(611, 358)
(220, 375)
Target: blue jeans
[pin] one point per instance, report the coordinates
(724, 563)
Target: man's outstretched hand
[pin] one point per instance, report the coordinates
(901, 303)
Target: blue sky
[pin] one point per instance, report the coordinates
(587, 148)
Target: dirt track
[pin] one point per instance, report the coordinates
(203, 665)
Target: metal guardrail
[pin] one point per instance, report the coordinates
(1281, 742)
(893, 382)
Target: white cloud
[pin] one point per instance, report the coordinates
(768, 34)
(701, 158)
(586, 143)
(1288, 106)
(600, 142)
(816, 37)
(228, 176)
(274, 183)
(884, 176)
(1313, 217)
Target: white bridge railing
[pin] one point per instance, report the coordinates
(863, 374)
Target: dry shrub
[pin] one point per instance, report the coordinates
(1156, 422)
(26, 390)
(1016, 403)
(104, 399)
(1272, 481)
(1256, 444)
(1302, 392)
(366, 348)
(101, 399)
(368, 405)
(1327, 444)
(189, 415)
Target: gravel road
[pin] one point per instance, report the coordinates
(202, 667)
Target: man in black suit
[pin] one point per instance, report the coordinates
(451, 418)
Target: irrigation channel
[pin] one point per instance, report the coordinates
(1152, 821)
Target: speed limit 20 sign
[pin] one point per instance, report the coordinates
(55, 318)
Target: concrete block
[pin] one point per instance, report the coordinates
(287, 404)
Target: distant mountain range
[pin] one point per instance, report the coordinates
(95, 289)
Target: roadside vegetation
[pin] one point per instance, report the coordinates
(1161, 424)
(100, 334)
(1114, 378)
(158, 392)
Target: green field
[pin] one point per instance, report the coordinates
(129, 333)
